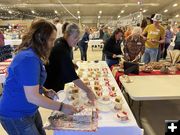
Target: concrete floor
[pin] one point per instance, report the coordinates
(154, 113)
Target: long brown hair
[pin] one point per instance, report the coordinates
(37, 38)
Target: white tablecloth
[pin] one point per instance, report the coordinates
(95, 42)
(108, 122)
(155, 87)
(13, 41)
(2, 78)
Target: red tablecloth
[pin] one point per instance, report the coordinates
(118, 74)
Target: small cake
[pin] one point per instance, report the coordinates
(85, 116)
(122, 116)
(98, 75)
(99, 93)
(81, 69)
(97, 87)
(127, 79)
(73, 90)
(89, 75)
(86, 82)
(118, 99)
(118, 106)
(105, 98)
(75, 102)
(112, 93)
(73, 97)
(96, 82)
(113, 88)
(85, 79)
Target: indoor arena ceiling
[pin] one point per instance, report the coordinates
(22, 9)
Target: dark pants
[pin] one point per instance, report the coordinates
(177, 46)
(165, 50)
(160, 52)
(83, 50)
(31, 125)
(103, 56)
(111, 62)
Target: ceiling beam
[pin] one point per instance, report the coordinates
(75, 5)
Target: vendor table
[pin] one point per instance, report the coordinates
(154, 87)
(97, 43)
(108, 123)
(13, 42)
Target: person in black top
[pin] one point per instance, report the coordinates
(83, 44)
(112, 47)
(60, 69)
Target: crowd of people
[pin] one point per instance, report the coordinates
(145, 43)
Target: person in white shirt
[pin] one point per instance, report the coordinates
(58, 24)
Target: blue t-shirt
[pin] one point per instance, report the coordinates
(26, 69)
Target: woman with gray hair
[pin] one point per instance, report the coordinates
(134, 46)
(60, 69)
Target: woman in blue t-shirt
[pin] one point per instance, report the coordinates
(22, 93)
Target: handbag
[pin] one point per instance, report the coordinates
(131, 68)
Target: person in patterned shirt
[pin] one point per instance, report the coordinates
(134, 47)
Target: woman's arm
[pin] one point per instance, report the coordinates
(89, 92)
(33, 96)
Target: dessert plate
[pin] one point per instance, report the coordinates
(62, 96)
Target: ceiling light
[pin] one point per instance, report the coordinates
(144, 10)
(100, 12)
(99, 17)
(55, 12)
(122, 11)
(177, 15)
(78, 12)
(165, 10)
(33, 11)
(118, 16)
(138, 16)
(175, 5)
(79, 17)
(10, 12)
(138, 2)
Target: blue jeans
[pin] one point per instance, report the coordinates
(150, 55)
(83, 50)
(31, 125)
(111, 62)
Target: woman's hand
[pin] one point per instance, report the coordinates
(50, 93)
(114, 55)
(91, 96)
(69, 109)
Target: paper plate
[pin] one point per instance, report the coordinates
(62, 96)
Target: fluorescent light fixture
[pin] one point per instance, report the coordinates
(144, 10)
(100, 12)
(122, 11)
(177, 16)
(55, 11)
(79, 17)
(32, 11)
(118, 16)
(10, 12)
(175, 5)
(99, 17)
(78, 12)
(165, 10)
